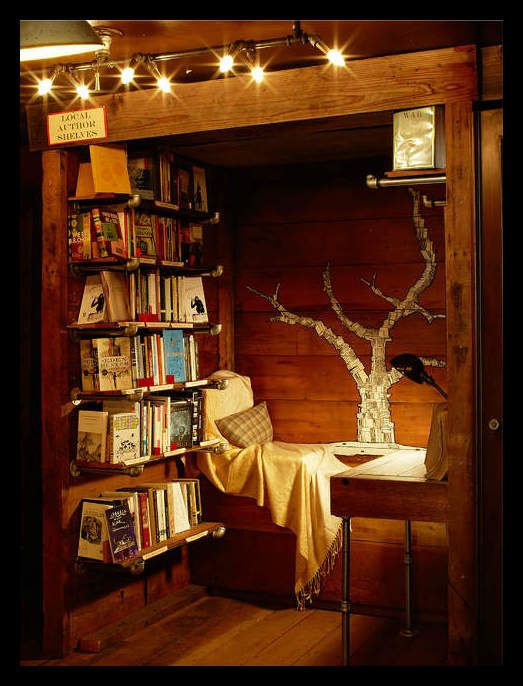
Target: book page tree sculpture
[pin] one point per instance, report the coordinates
(374, 423)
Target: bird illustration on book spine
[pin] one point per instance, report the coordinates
(374, 422)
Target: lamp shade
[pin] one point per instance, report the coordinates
(49, 39)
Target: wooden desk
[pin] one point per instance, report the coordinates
(389, 487)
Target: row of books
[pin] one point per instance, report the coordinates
(163, 176)
(148, 359)
(124, 233)
(149, 295)
(116, 525)
(126, 432)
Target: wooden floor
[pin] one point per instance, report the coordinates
(217, 631)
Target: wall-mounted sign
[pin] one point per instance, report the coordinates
(419, 139)
(76, 126)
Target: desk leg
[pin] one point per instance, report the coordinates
(407, 629)
(345, 599)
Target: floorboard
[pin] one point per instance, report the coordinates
(216, 631)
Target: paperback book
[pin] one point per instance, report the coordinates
(174, 353)
(114, 363)
(124, 437)
(93, 541)
(92, 436)
(181, 424)
(122, 536)
(93, 306)
(108, 231)
(194, 304)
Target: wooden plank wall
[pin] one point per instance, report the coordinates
(292, 221)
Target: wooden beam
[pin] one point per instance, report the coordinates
(55, 455)
(382, 83)
(491, 68)
(460, 267)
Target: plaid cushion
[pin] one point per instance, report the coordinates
(248, 427)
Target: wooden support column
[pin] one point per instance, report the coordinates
(460, 248)
(55, 443)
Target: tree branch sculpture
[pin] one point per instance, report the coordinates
(374, 423)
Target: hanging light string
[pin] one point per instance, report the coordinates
(241, 53)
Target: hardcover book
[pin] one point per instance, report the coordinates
(199, 190)
(180, 424)
(124, 437)
(174, 354)
(108, 232)
(79, 234)
(122, 537)
(114, 363)
(145, 245)
(92, 436)
(109, 169)
(93, 306)
(141, 176)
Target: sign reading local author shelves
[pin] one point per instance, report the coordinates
(76, 125)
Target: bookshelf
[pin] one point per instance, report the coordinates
(72, 582)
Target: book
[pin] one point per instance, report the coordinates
(144, 519)
(194, 304)
(193, 250)
(141, 176)
(114, 363)
(199, 190)
(181, 514)
(132, 499)
(79, 236)
(93, 539)
(108, 230)
(120, 528)
(109, 169)
(93, 305)
(191, 490)
(116, 293)
(124, 437)
(184, 188)
(180, 424)
(89, 365)
(145, 245)
(92, 436)
(174, 355)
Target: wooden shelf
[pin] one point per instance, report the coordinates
(136, 393)
(156, 206)
(136, 467)
(132, 328)
(136, 565)
(404, 173)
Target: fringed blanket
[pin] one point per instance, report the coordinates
(291, 479)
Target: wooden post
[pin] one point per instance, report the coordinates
(55, 443)
(460, 266)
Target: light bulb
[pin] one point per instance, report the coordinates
(335, 57)
(127, 75)
(44, 86)
(257, 74)
(226, 63)
(164, 84)
(82, 91)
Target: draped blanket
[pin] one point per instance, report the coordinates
(290, 479)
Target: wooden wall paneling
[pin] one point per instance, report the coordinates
(461, 361)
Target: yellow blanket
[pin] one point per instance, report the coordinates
(291, 479)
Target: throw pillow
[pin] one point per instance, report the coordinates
(248, 427)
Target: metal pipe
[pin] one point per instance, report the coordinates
(345, 598)
(407, 629)
(374, 182)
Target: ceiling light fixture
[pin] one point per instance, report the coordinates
(50, 39)
(231, 55)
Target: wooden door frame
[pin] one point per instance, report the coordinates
(437, 77)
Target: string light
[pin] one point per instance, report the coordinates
(335, 57)
(240, 49)
(226, 64)
(257, 74)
